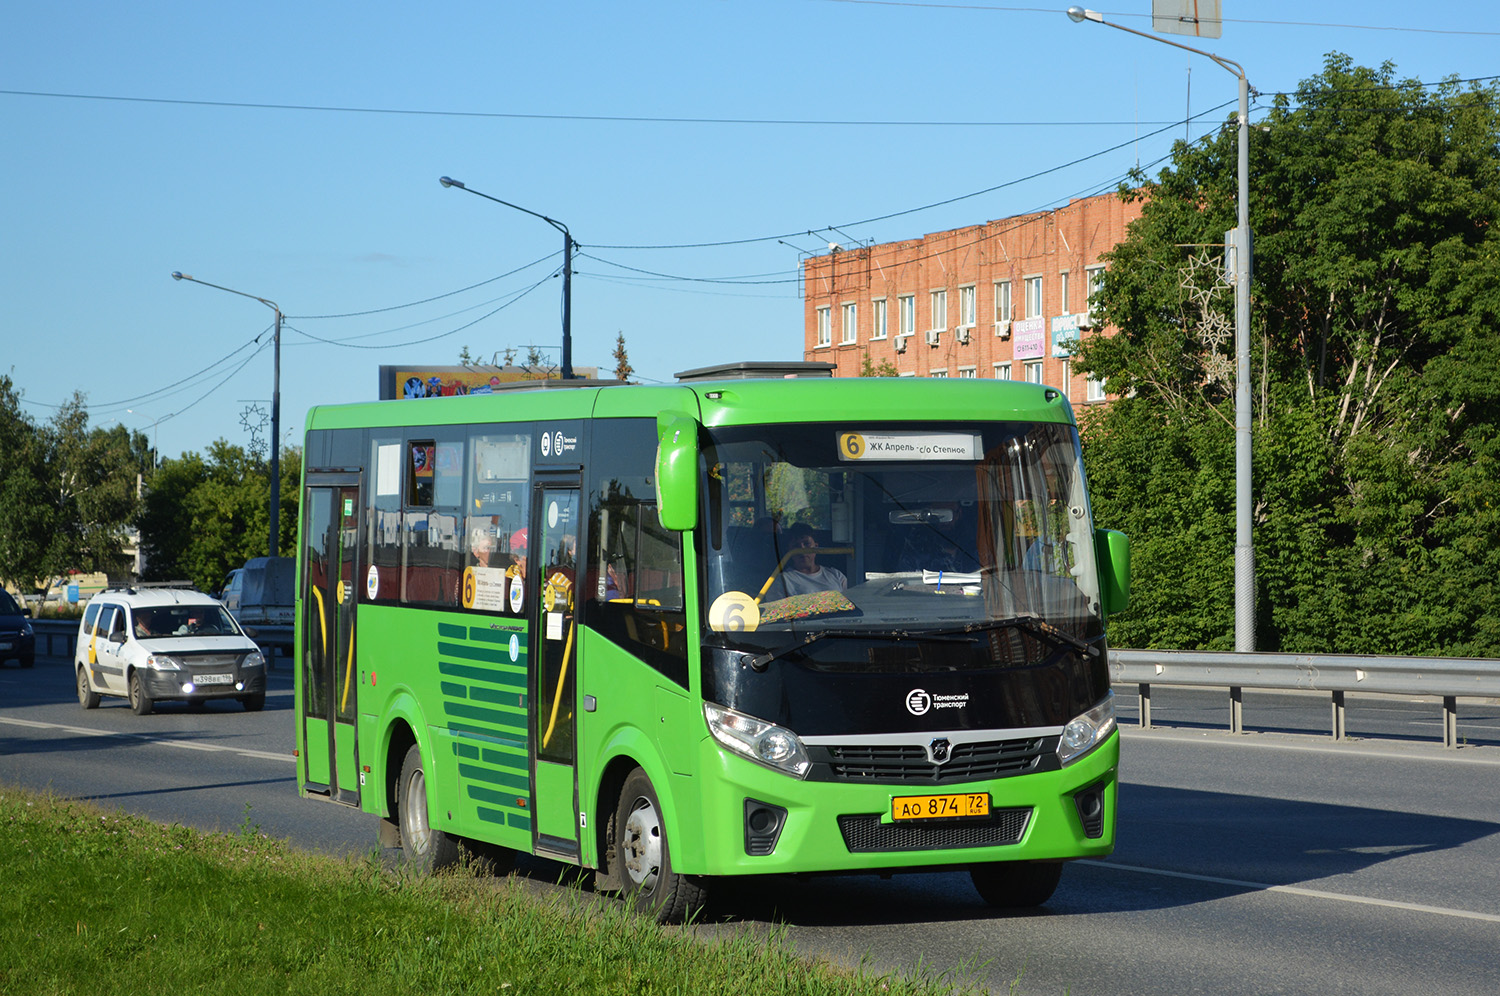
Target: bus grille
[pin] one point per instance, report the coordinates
(865, 832)
(906, 763)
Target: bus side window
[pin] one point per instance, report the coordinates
(635, 585)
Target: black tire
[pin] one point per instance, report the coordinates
(1016, 884)
(140, 703)
(644, 857)
(253, 703)
(422, 847)
(87, 697)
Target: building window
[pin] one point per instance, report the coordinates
(1002, 305)
(1033, 297)
(1033, 371)
(967, 373)
(877, 318)
(1095, 285)
(1067, 377)
(1062, 294)
(1002, 371)
(939, 310)
(940, 374)
(825, 327)
(1095, 388)
(851, 322)
(966, 310)
(908, 316)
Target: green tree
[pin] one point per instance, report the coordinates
(26, 514)
(1376, 308)
(623, 369)
(885, 368)
(207, 515)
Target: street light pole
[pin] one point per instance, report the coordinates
(152, 427)
(1244, 549)
(275, 513)
(568, 246)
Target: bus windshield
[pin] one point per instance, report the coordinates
(899, 528)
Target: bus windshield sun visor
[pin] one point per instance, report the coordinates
(758, 662)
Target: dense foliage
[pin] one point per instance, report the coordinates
(67, 492)
(205, 515)
(1376, 377)
(70, 495)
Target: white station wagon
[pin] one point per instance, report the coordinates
(152, 643)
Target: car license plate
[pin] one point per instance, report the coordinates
(940, 807)
(213, 679)
(5, 646)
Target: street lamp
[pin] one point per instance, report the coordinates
(152, 427)
(568, 246)
(275, 405)
(1244, 550)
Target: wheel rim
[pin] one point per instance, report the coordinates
(641, 844)
(418, 830)
(135, 691)
(83, 686)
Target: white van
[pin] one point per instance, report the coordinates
(152, 643)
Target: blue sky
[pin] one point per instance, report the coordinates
(637, 125)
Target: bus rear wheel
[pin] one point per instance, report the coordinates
(644, 857)
(422, 847)
(1016, 884)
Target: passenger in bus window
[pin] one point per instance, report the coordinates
(804, 575)
(518, 553)
(482, 543)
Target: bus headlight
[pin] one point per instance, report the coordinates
(1087, 731)
(769, 744)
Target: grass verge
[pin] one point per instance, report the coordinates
(99, 901)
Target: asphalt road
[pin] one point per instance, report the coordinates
(1272, 862)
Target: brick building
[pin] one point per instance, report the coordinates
(999, 300)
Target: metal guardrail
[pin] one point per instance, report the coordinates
(1448, 678)
(55, 637)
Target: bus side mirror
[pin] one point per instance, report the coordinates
(677, 470)
(1112, 550)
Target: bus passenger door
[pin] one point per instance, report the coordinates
(326, 671)
(554, 576)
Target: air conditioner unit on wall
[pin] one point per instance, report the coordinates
(933, 337)
(900, 343)
(963, 336)
(1087, 321)
(1002, 329)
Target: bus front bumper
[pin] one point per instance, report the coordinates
(758, 821)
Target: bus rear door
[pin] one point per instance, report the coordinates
(328, 675)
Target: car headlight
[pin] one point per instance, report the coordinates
(26, 629)
(1087, 731)
(163, 662)
(760, 741)
(253, 659)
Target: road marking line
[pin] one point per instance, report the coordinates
(1299, 891)
(1371, 748)
(165, 742)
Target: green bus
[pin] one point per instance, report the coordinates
(733, 626)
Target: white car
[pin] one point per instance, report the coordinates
(151, 643)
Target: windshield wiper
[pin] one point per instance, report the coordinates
(758, 662)
(1044, 631)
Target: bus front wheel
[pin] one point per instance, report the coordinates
(422, 847)
(1016, 884)
(644, 856)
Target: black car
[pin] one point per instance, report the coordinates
(17, 641)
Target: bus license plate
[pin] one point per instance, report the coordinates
(214, 679)
(940, 807)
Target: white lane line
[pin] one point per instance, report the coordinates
(164, 741)
(1415, 751)
(1299, 891)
